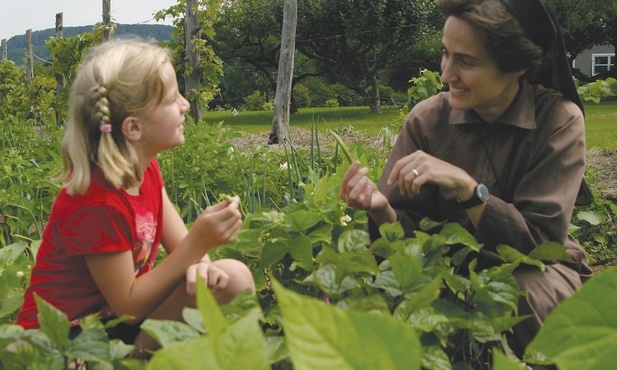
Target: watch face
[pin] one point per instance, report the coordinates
(482, 192)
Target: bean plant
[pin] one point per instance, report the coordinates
(327, 295)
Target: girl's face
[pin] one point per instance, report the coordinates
(473, 76)
(164, 127)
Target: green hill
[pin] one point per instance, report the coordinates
(16, 45)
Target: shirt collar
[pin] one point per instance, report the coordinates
(521, 113)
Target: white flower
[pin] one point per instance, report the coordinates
(284, 166)
(20, 274)
(345, 220)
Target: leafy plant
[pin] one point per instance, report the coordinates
(423, 87)
(586, 326)
(598, 90)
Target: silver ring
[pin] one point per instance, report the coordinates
(415, 172)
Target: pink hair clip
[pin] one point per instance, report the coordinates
(106, 128)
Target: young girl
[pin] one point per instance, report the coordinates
(101, 241)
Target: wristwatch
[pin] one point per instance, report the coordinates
(480, 195)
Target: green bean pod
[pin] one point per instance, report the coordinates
(343, 147)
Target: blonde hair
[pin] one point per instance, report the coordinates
(118, 79)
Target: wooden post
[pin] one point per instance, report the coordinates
(4, 50)
(106, 19)
(192, 31)
(29, 57)
(60, 78)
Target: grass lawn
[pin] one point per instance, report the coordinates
(601, 125)
(601, 121)
(361, 118)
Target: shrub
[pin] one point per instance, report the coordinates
(256, 101)
(331, 103)
(302, 96)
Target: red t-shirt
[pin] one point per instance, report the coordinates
(104, 220)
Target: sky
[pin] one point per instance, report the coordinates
(18, 16)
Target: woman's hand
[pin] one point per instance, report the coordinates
(215, 278)
(360, 192)
(217, 225)
(419, 168)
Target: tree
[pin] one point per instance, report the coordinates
(249, 41)
(282, 99)
(210, 66)
(354, 40)
(351, 42)
(585, 24)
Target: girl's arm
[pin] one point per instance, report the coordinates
(114, 273)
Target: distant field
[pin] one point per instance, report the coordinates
(601, 121)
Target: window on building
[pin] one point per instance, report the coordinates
(602, 63)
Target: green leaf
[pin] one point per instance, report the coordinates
(273, 252)
(192, 317)
(594, 218)
(119, 350)
(302, 251)
(434, 358)
(513, 255)
(91, 344)
(406, 268)
(353, 240)
(53, 322)
(302, 220)
(11, 253)
(501, 362)
(416, 301)
(239, 347)
(325, 276)
(551, 251)
(322, 234)
(354, 262)
(320, 336)
(248, 240)
(167, 332)
(375, 303)
(210, 311)
(381, 247)
(586, 326)
(392, 231)
(387, 281)
(496, 289)
(454, 233)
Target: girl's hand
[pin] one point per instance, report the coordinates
(217, 225)
(215, 278)
(419, 168)
(359, 191)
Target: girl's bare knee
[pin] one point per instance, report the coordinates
(240, 279)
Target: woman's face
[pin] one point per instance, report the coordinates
(473, 76)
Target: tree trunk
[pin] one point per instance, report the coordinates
(192, 31)
(375, 103)
(282, 99)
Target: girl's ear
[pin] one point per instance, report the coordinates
(132, 128)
